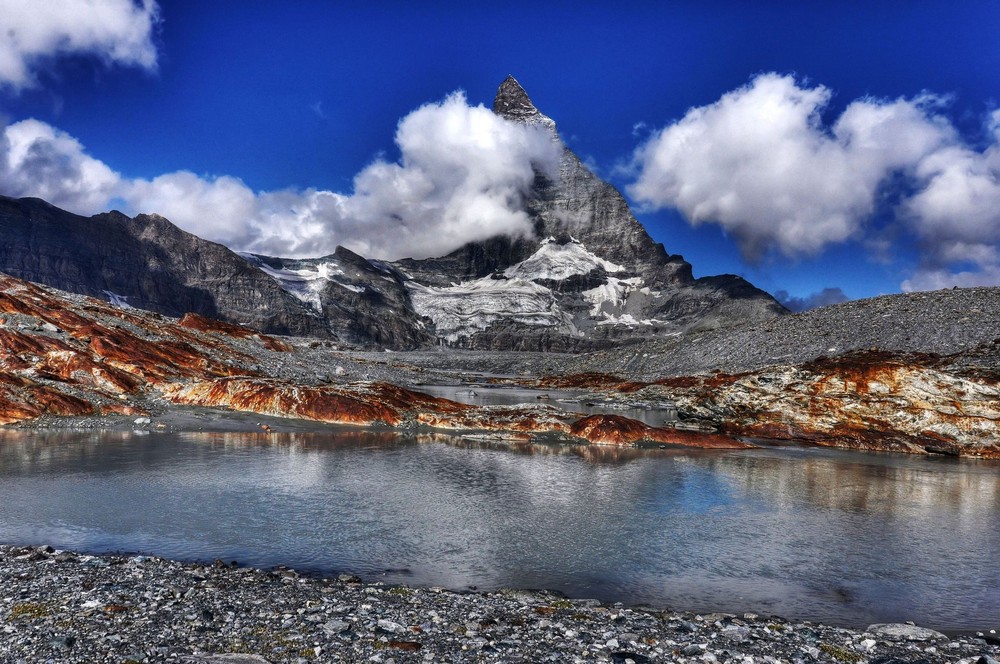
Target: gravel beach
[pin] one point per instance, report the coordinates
(58, 606)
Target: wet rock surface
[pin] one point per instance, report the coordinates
(66, 607)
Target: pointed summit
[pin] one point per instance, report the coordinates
(513, 103)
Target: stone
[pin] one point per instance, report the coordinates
(904, 632)
(624, 657)
(62, 642)
(390, 626)
(229, 658)
(735, 633)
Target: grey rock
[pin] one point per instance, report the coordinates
(390, 626)
(903, 632)
(229, 658)
(623, 657)
(336, 626)
(736, 633)
(62, 642)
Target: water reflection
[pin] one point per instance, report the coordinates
(811, 533)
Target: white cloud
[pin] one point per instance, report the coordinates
(39, 160)
(956, 216)
(822, 298)
(962, 186)
(462, 176)
(927, 279)
(116, 31)
(761, 163)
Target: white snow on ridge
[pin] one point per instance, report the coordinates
(305, 284)
(556, 262)
(613, 300)
(117, 300)
(612, 295)
(463, 309)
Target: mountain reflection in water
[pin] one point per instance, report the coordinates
(803, 532)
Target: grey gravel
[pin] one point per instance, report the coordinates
(82, 608)
(942, 322)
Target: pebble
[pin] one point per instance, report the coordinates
(906, 632)
(144, 609)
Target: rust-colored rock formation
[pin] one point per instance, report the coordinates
(72, 356)
(619, 430)
(198, 322)
(588, 381)
(63, 355)
(872, 400)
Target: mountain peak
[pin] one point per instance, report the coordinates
(513, 103)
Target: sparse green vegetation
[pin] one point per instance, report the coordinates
(840, 653)
(29, 611)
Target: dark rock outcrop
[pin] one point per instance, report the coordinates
(145, 262)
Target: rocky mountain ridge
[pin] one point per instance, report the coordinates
(591, 277)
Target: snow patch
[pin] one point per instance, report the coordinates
(461, 310)
(556, 262)
(612, 295)
(306, 284)
(611, 302)
(117, 300)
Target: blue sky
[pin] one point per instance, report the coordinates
(243, 108)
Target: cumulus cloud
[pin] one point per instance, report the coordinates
(37, 159)
(823, 298)
(956, 216)
(462, 176)
(762, 163)
(116, 31)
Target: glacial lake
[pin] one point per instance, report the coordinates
(805, 533)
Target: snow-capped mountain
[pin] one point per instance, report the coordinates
(590, 276)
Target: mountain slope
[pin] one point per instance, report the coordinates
(648, 292)
(145, 262)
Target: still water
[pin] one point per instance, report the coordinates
(845, 538)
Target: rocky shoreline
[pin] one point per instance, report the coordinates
(59, 606)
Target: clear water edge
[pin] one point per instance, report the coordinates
(838, 537)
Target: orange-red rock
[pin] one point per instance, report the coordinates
(198, 322)
(619, 430)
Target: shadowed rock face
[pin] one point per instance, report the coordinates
(147, 263)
